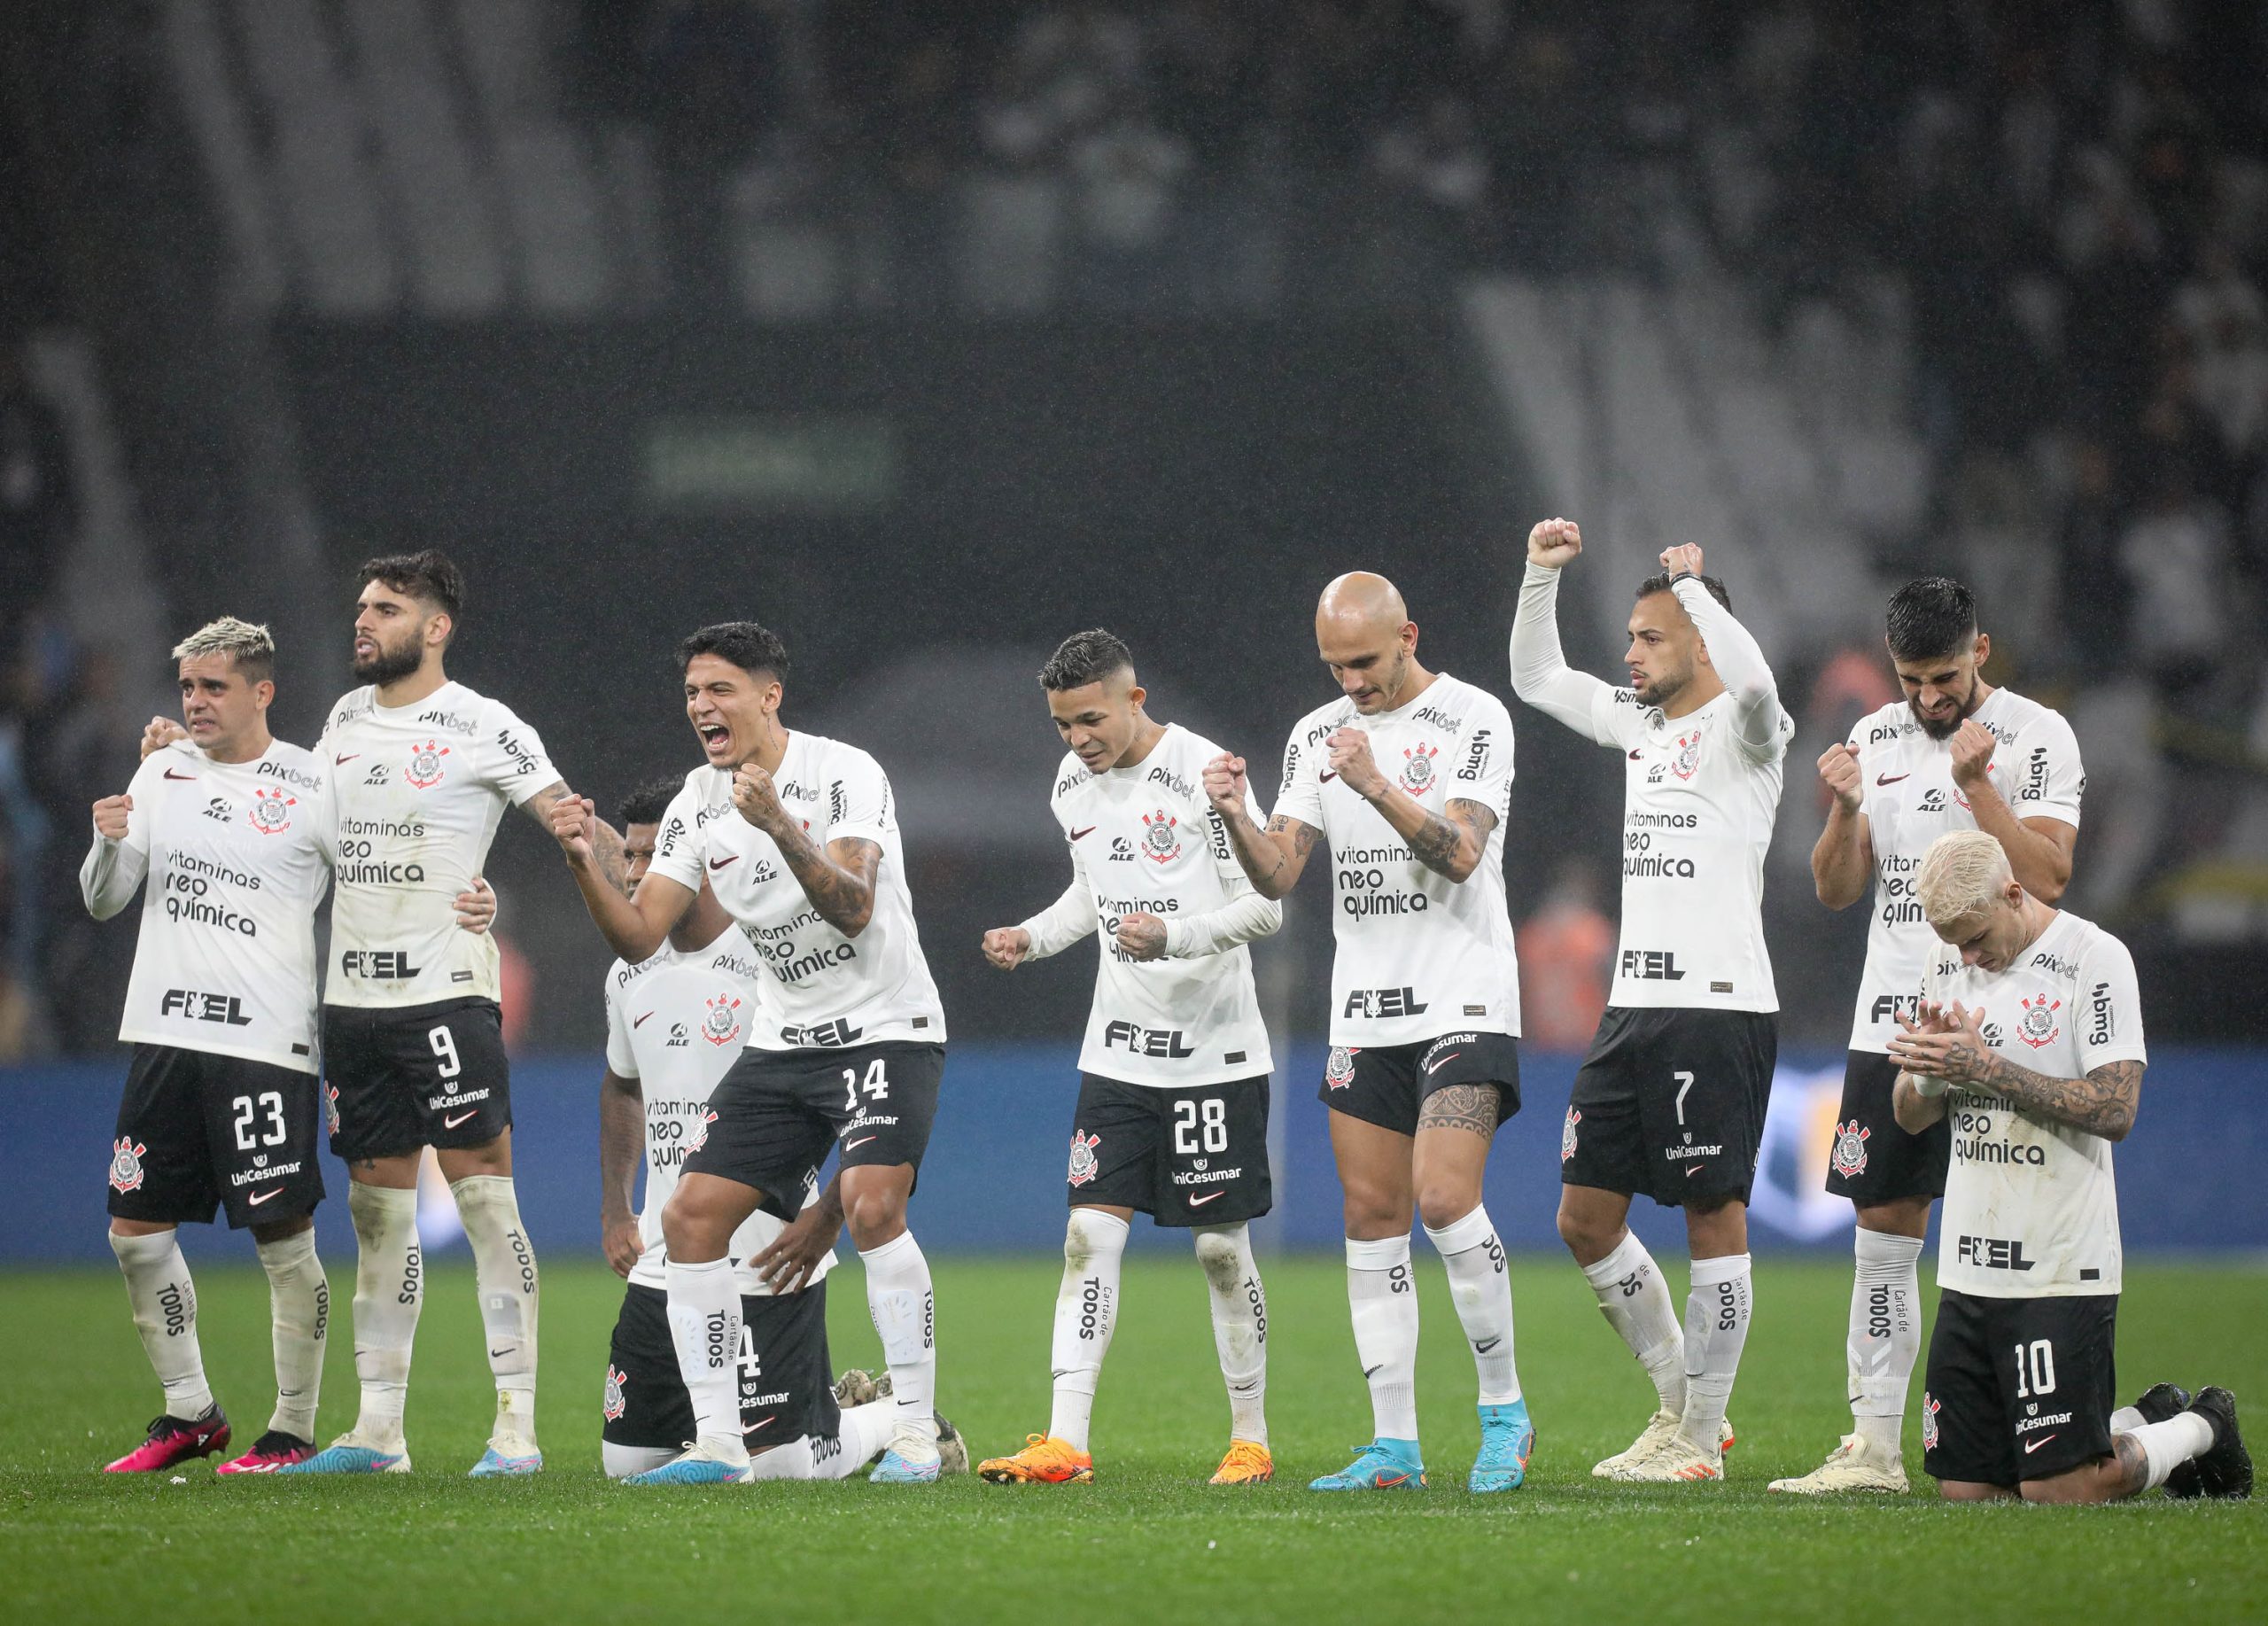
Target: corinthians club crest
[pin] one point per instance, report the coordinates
(425, 765)
(1567, 1134)
(271, 811)
(1159, 845)
(722, 1025)
(2039, 1026)
(1083, 1162)
(1849, 1157)
(1929, 1409)
(125, 1163)
(1339, 1071)
(615, 1403)
(1688, 760)
(1418, 768)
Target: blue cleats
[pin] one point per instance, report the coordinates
(697, 1467)
(1382, 1465)
(896, 1468)
(348, 1455)
(494, 1465)
(1506, 1439)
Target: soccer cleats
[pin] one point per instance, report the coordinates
(350, 1455)
(2159, 1402)
(511, 1463)
(1382, 1465)
(1857, 1464)
(1507, 1438)
(952, 1449)
(172, 1440)
(2226, 1469)
(1044, 1461)
(699, 1465)
(914, 1457)
(1680, 1461)
(1247, 1463)
(272, 1452)
(856, 1388)
(1660, 1429)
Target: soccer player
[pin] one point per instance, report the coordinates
(2027, 1041)
(674, 1025)
(414, 1051)
(1670, 1100)
(1172, 1116)
(1954, 753)
(798, 837)
(232, 828)
(1407, 776)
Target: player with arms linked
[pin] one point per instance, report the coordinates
(2027, 1043)
(1954, 753)
(798, 836)
(1670, 1100)
(1172, 1115)
(1407, 776)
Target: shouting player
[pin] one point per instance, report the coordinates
(1670, 1100)
(1954, 753)
(232, 830)
(1172, 1116)
(1407, 776)
(673, 1025)
(423, 768)
(798, 836)
(2027, 1042)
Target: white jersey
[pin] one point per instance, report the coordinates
(675, 1024)
(237, 856)
(1699, 795)
(823, 988)
(1418, 954)
(2031, 1208)
(1144, 839)
(420, 790)
(1909, 800)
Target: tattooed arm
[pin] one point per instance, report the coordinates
(840, 882)
(2102, 1103)
(606, 842)
(1272, 858)
(1449, 842)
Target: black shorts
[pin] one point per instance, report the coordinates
(786, 1388)
(195, 1131)
(2018, 1388)
(417, 1076)
(1874, 1160)
(775, 1113)
(1387, 1084)
(1195, 1157)
(1671, 1103)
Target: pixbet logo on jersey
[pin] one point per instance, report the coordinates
(1376, 1002)
(198, 1006)
(424, 770)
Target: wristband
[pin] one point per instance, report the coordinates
(1927, 1086)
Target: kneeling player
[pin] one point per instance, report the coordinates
(1172, 1118)
(2017, 1399)
(674, 1025)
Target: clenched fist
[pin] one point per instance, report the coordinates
(757, 797)
(573, 819)
(110, 817)
(1224, 783)
(1684, 559)
(1350, 759)
(1972, 754)
(1005, 946)
(161, 732)
(1553, 542)
(1838, 765)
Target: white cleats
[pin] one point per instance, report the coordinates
(1660, 1429)
(1680, 1460)
(1857, 1464)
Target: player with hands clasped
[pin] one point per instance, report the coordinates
(1955, 753)
(1172, 1114)
(1670, 1100)
(2027, 1043)
(798, 836)
(1407, 776)
(675, 1024)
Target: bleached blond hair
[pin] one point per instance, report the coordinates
(251, 648)
(1962, 874)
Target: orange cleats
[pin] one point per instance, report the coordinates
(1247, 1464)
(1044, 1461)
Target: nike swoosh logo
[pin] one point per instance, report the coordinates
(340, 762)
(1368, 1369)
(641, 1021)
(1327, 778)
(498, 1354)
(1691, 1170)
(1389, 1484)
(1437, 1066)
(860, 1141)
(1483, 1348)
(1076, 835)
(1890, 778)
(719, 863)
(2031, 1446)
(254, 1203)
(766, 1423)
(191, 777)
(1199, 1203)
(462, 1117)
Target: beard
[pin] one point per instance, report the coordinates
(1938, 730)
(389, 666)
(1663, 690)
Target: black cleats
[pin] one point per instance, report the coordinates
(2224, 1471)
(2159, 1402)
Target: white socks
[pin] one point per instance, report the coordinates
(864, 1431)
(705, 1325)
(904, 1308)
(165, 1313)
(1885, 1337)
(298, 1312)
(2167, 1445)
(1483, 1290)
(1716, 1326)
(1240, 1325)
(1086, 1311)
(1637, 1302)
(389, 1288)
(504, 1269)
(1382, 1300)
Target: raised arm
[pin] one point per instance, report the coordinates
(633, 927)
(1737, 655)
(1843, 857)
(606, 844)
(114, 864)
(1541, 674)
(1449, 842)
(2039, 848)
(1272, 859)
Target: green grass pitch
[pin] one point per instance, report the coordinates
(1147, 1540)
